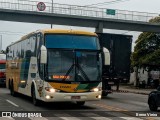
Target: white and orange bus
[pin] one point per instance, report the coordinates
(55, 65)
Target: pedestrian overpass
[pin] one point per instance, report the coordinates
(62, 14)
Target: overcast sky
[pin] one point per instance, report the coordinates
(13, 31)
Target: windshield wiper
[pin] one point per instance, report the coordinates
(81, 70)
(67, 73)
(83, 73)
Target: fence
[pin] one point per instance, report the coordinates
(56, 8)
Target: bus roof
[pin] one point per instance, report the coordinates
(61, 31)
(58, 31)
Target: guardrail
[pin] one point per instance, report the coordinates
(27, 5)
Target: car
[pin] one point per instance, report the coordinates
(154, 99)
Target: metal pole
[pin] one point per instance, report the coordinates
(52, 12)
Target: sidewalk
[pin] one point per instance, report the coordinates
(133, 89)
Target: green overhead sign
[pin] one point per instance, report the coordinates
(110, 12)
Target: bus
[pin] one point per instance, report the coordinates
(54, 65)
(2, 69)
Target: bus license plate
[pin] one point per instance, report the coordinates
(75, 97)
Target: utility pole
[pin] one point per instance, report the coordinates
(52, 12)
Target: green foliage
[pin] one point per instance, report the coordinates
(147, 50)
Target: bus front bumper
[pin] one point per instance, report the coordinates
(66, 97)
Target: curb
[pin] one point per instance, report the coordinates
(127, 91)
(120, 91)
(139, 93)
(136, 92)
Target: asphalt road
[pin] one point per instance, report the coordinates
(116, 106)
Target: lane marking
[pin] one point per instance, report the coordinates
(122, 111)
(131, 118)
(100, 118)
(38, 118)
(66, 117)
(139, 103)
(6, 118)
(12, 103)
(110, 107)
(126, 112)
(96, 116)
(69, 118)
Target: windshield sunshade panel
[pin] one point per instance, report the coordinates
(72, 42)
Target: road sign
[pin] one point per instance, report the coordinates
(41, 6)
(110, 11)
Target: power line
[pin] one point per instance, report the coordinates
(104, 3)
(11, 33)
(107, 3)
(120, 1)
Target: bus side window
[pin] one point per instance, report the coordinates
(41, 68)
(38, 43)
(33, 45)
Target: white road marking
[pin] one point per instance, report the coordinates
(12, 103)
(6, 118)
(131, 118)
(69, 118)
(100, 118)
(38, 118)
(96, 116)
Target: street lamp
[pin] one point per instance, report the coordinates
(52, 12)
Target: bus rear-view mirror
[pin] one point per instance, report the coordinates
(106, 56)
(43, 58)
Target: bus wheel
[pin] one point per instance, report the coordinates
(35, 101)
(12, 92)
(9, 84)
(80, 103)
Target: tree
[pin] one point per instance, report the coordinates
(147, 50)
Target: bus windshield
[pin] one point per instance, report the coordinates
(73, 65)
(72, 41)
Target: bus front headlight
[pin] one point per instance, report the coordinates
(52, 90)
(48, 97)
(96, 89)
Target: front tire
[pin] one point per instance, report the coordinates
(12, 92)
(152, 105)
(34, 100)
